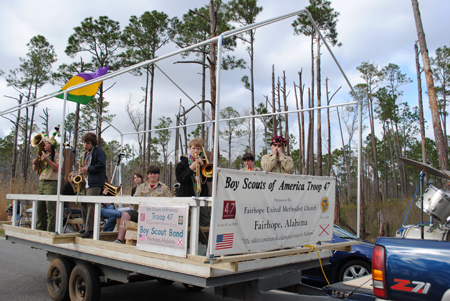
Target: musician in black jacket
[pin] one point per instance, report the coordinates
(94, 171)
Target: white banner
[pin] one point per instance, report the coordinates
(258, 211)
(163, 229)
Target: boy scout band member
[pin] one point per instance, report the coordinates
(277, 161)
(94, 171)
(249, 162)
(48, 184)
(153, 188)
(192, 182)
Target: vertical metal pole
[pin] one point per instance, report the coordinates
(358, 194)
(212, 240)
(14, 214)
(120, 169)
(59, 206)
(421, 203)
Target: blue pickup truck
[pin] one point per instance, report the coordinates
(411, 269)
(403, 269)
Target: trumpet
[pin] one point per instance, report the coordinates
(38, 140)
(112, 189)
(207, 169)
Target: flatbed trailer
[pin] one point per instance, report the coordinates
(98, 262)
(287, 228)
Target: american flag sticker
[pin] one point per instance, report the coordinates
(141, 237)
(224, 241)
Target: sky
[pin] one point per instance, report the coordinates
(377, 31)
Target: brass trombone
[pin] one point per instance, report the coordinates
(208, 168)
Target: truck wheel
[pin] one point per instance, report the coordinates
(354, 269)
(58, 278)
(192, 288)
(164, 281)
(84, 283)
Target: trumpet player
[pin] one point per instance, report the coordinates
(93, 169)
(189, 175)
(249, 162)
(277, 161)
(48, 183)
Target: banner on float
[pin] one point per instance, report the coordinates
(258, 211)
(163, 228)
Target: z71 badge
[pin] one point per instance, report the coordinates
(411, 286)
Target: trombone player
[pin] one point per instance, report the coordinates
(193, 181)
(46, 165)
(93, 169)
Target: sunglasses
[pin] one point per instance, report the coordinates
(278, 145)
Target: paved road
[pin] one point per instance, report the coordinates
(23, 273)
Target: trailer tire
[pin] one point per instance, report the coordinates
(192, 288)
(84, 283)
(164, 281)
(58, 278)
(354, 269)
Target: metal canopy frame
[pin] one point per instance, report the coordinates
(219, 40)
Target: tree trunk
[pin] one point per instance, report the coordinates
(442, 149)
(419, 92)
(16, 138)
(144, 144)
(203, 94)
(99, 118)
(25, 146)
(386, 190)
(374, 149)
(337, 206)
(286, 127)
(393, 168)
(212, 60)
(300, 120)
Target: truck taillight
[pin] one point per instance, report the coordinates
(379, 272)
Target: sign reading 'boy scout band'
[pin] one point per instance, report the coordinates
(163, 229)
(258, 211)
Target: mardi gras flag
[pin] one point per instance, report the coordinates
(86, 94)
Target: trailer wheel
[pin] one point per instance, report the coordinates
(84, 283)
(58, 278)
(192, 288)
(164, 281)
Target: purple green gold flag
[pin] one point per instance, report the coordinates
(86, 94)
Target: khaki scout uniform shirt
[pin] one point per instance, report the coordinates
(269, 163)
(48, 173)
(160, 190)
